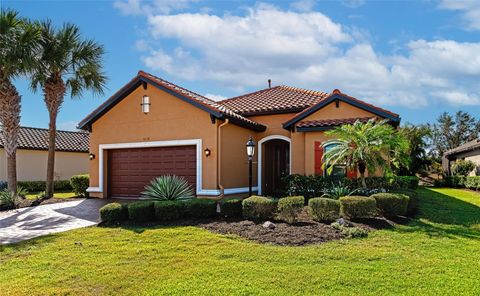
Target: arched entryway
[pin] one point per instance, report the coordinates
(274, 162)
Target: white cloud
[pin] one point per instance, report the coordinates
(139, 7)
(68, 126)
(308, 49)
(215, 97)
(470, 10)
(303, 5)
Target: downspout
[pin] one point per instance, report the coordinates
(219, 150)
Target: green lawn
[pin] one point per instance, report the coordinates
(63, 194)
(436, 254)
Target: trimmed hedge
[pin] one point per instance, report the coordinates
(167, 210)
(141, 211)
(113, 213)
(392, 204)
(201, 208)
(324, 209)
(258, 208)
(413, 201)
(357, 207)
(80, 184)
(290, 207)
(39, 186)
(312, 186)
(473, 183)
(231, 208)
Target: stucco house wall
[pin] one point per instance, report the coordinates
(473, 156)
(32, 165)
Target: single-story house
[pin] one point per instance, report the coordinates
(71, 157)
(468, 151)
(152, 127)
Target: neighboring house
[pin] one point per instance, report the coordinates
(467, 151)
(152, 127)
(71, 155)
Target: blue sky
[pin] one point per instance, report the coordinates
(416, 58)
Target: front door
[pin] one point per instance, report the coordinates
(276, 166)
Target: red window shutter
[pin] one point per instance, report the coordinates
(352, 173)
(318, 158)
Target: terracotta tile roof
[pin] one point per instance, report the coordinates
(469, 146)
(37, 139)
(331, 122)
(218, 110)
(274, 100)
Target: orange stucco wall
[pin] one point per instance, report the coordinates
(170, 118)
(344, 110)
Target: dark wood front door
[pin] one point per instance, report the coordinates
(129, 170)
(276, 166)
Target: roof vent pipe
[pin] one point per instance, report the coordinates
(269, 83)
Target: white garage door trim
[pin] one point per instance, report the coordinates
(196, 142)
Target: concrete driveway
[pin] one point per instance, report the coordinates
(26, 223)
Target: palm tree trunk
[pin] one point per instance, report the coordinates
(361, 169)
(54, 91)
(10, 107)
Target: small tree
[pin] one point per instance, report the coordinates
(67, 64)
(463, 167)
(368, 147)
(18, 45)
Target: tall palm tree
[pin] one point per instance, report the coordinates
(67, 64)
(18, 46)
(367, 147)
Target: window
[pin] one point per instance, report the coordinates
(339, 170)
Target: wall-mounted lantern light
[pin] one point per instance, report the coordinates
(91, 156)
(145, 104)
(250, 152)
(207, 152)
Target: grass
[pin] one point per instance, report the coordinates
(62, 194)
(435, 254)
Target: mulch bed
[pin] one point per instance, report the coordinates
(305, 232)
(24, 203)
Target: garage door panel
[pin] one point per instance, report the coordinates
(131, 169)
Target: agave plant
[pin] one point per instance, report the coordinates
(168, 187)
(8, 200)
(338, 191)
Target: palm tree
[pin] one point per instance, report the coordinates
(67, 63)
(18, 45)
(367, 146)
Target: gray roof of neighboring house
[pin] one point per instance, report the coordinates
(469, 146)
(32, 138)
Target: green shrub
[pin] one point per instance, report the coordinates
(141, 211)
(455, 181)
(8, 200)
(473, 183)
(404, 182)
(350, 232)
(168, 188)
(231, 208)
(439, 183)
(80, 184)
(3, 185)
(413, 201)
(392, 204)
(39, 186)
(289, 208)
(324, 209)
(201, 208)
(258, 208)
(113, 213)
(169, 210)
(463, 167)
(356, 207)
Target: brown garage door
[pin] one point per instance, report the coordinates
(131, 169)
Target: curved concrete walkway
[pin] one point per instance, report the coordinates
(26, 223)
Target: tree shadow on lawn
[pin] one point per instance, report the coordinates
(444, 215)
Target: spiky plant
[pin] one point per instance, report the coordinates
(168, 187)
(338, 191)
(8, 200)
